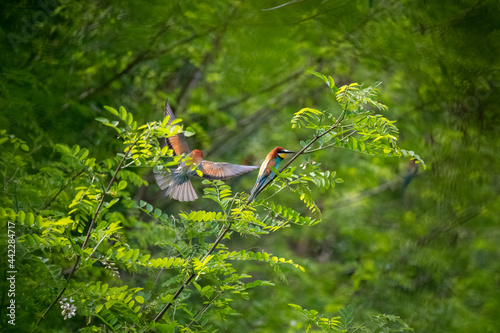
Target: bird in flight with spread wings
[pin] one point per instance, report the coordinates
(176, 182)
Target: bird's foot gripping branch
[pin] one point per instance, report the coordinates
(180, 273)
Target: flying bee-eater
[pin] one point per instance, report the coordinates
(266, 175)
(176, 182)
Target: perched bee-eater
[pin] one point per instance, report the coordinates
(411, 172)
(266, 175)
(176, 181)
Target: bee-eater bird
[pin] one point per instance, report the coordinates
(266, 175)
(176, 181)
(411, 172)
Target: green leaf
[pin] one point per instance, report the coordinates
(164, 150)
(331, 82)
(110, 303)
(112, 110)
(321, 76)
(189, 132)
(122, 185)
(129, 119)
(354, 143)
(83, 153)
(102, 120)
(21, 216)
(123, 113)
(99, 308)
(30, 219)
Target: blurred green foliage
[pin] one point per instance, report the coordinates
(394, 238)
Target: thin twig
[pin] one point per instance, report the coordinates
(455, 223)
(208, 58)
(249, 124)
(88, 233)
(247, 96)
(205, 308)
(144, 55)
(62, 189)
(177, 238)
(188, 280)
(330, 145)
(334, 126)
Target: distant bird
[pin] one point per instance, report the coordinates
(266, 175)
(176, 181)
(411, 172)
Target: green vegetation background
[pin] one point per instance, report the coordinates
(236, 71)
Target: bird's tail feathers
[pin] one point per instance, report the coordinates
(251, 197)
(176, 186)
(255, 191)
(182, 192)
(253, 194)
(257, 188)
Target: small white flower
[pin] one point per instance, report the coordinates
(69, 310)
(111, 266)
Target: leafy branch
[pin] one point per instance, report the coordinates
(353, 99)
(91, 226)
(228, 227)
(191, 277)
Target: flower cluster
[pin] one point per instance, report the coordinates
(69, 310)
(112, 267)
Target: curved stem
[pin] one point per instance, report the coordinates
(78, 258)
(188, 280)
(316, 138)
(205, 308)
(177, 238)
(331, 145)
(62, 189)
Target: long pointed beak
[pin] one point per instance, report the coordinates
(288, 152)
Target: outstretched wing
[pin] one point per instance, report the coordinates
(176, 142)
(221, 170)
